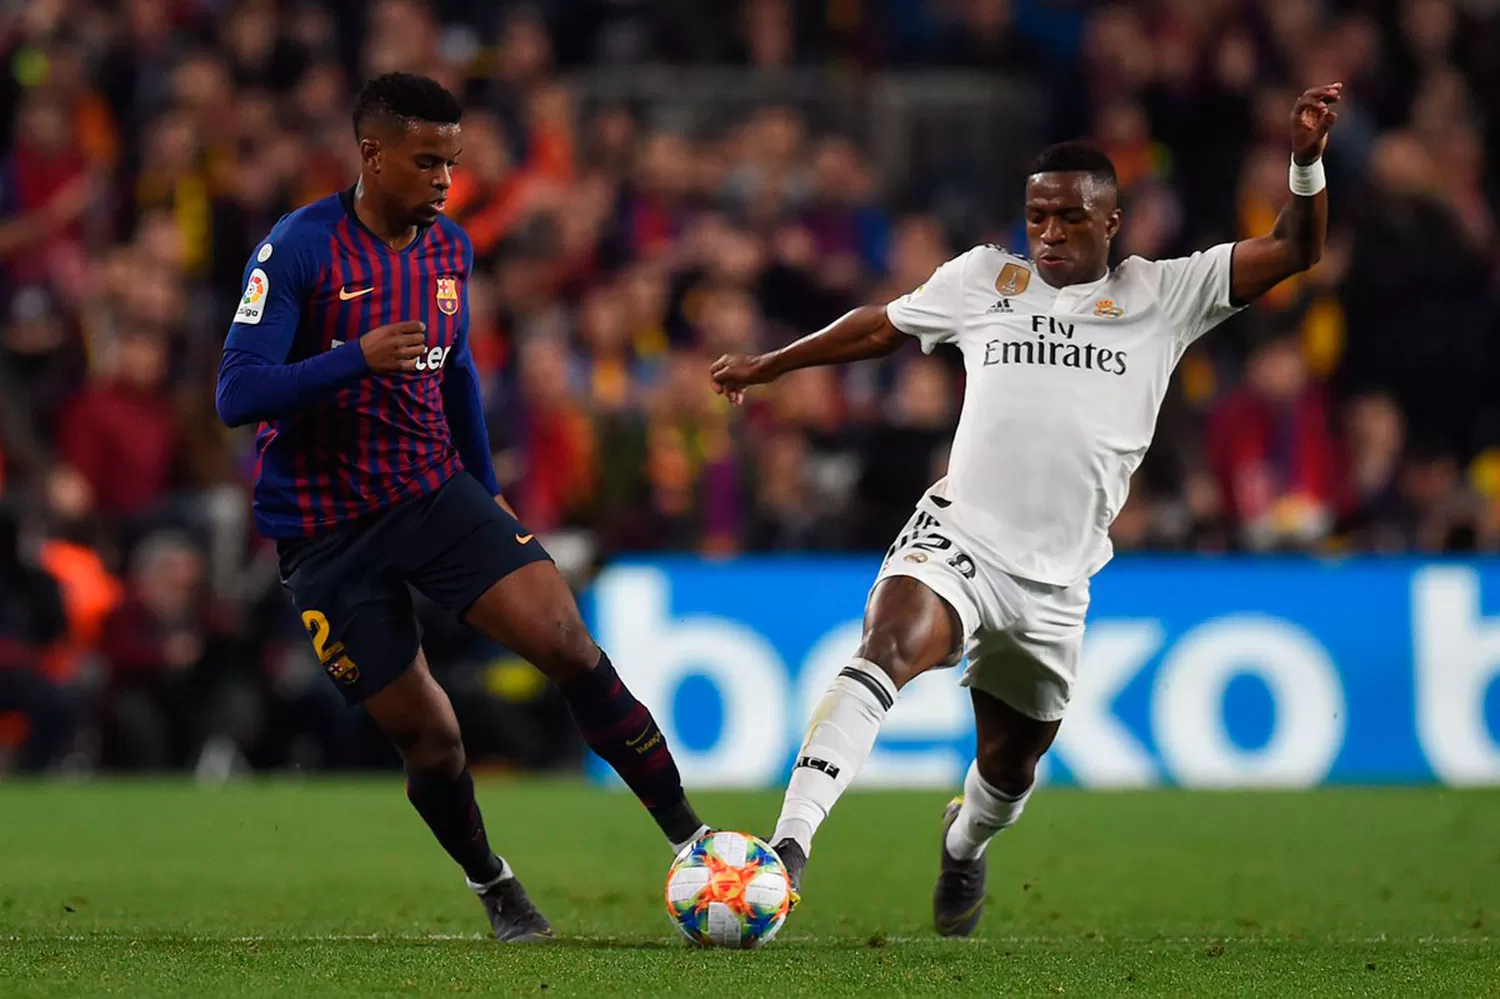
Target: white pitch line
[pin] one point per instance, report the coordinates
(998, 941)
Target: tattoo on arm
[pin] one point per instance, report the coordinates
(1298, 227)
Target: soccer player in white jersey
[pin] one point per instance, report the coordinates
(1067, 361)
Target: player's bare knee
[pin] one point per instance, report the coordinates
(572, 652)
(437, 750)
(887, 650)
(1008, 772)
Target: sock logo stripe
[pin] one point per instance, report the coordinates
(881, 694)
(813, 763)
(621, 731)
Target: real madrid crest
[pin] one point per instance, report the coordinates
(447, 295)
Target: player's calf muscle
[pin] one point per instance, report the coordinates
(1010, 745)
(415, 714)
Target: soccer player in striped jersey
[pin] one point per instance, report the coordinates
(349, 347)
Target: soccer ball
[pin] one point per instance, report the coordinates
(728, 890)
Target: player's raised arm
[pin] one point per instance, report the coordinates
(1296, 241)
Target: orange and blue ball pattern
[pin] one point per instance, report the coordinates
(728, 890)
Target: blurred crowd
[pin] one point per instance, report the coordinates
(151, 143)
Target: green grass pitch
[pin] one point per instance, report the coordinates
(322, 888)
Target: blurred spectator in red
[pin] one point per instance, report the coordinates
(47, 182)
(1270, 447)
(159, 699)
(121, 431)
(490, 195)
(549, 129)
(93, 125)
(558, 440)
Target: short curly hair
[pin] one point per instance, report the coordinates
(404, 98)
(1076, 157)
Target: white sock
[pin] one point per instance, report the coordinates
(985, 812)
(505, 874)
(839, 739)
(679, 847)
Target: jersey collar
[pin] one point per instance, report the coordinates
(1079, 292)
(346, 198)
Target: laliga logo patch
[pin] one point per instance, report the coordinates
(447, 295)
(253, 302)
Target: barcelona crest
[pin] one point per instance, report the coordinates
(447, 295)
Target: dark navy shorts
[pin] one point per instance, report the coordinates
(351, 586)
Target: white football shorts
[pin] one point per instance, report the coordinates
(1022, 638)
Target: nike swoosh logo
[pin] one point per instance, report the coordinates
(345, 294)
(945, 925)
(521, 539)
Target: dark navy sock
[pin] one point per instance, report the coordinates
(620, 729)
(448, 807)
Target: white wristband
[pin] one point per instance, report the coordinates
(1308, 180)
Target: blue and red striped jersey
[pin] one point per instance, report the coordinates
(352, 442)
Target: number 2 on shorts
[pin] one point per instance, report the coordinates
(338, 665)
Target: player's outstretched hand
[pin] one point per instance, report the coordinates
(733, 373)
(394, 348)
(1312, 118)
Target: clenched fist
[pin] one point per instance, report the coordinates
(394, 348)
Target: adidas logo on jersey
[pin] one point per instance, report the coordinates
(1001, 305)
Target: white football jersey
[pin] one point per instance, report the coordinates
(1063, 390)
